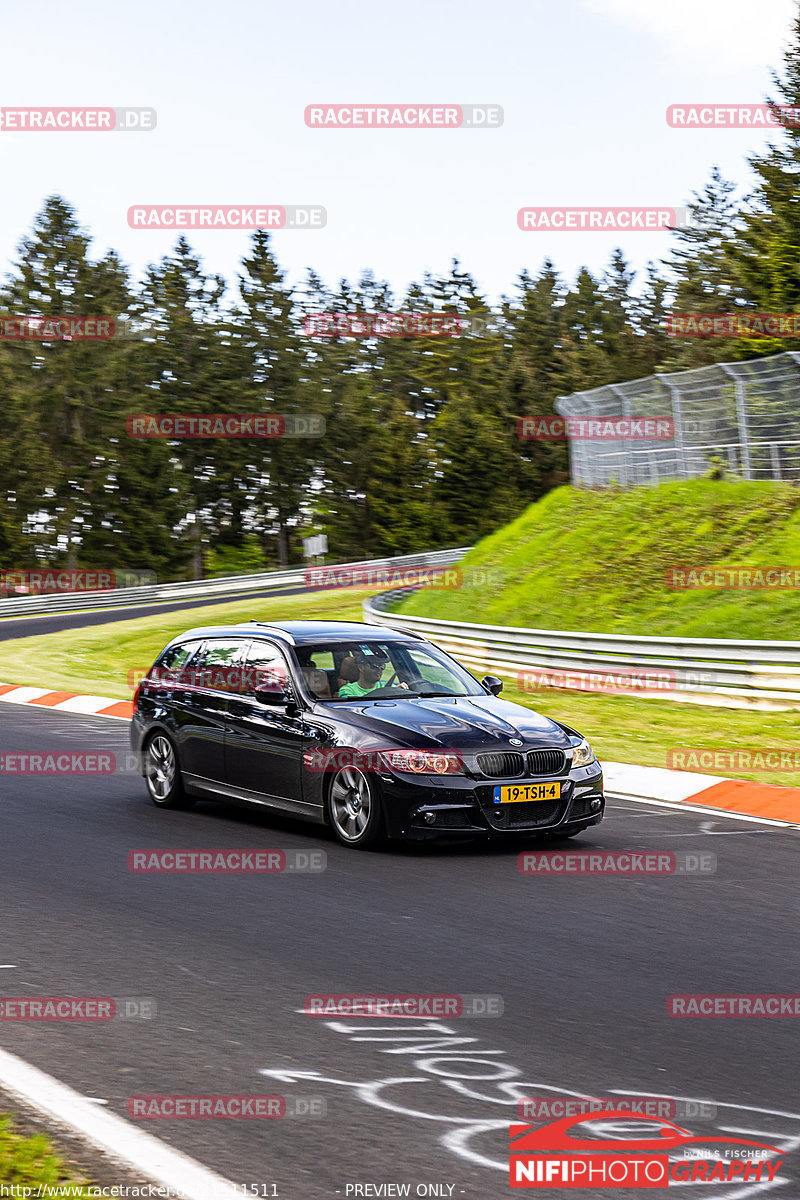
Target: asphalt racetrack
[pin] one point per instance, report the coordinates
(18, 627)
(584, 967)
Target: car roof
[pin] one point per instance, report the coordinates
(303, 633)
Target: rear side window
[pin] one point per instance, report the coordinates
(175, 658)
(218, 666)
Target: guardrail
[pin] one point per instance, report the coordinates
(206, 589)
(721, 672)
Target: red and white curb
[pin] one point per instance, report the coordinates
(740, 798)
(656, 785)
(130, 1147)
(71, 702)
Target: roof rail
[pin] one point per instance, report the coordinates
(274, 629)
(412, 633)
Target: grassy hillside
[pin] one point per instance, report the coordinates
(597, 561)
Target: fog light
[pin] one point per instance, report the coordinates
(429, 818)
(596, 804)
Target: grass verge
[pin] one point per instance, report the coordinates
(32, 1162)
(103, 658)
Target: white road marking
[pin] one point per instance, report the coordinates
(705, 829)
(662, 782)
(130, 1146)
(24, 695)
(87, 705)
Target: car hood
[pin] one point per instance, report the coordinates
(465, 723)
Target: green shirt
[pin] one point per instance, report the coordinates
(355, 689)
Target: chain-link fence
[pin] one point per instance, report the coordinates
(745, 415)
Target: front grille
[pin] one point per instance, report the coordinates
(546, 762)
(501, 765)
(451, 819)
(533, 812)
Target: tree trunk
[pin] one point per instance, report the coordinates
(283, 545)
(197, 548)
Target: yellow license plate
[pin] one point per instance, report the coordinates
(517, 793)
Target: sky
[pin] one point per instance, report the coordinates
(584, 86)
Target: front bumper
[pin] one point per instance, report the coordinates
(459, 805)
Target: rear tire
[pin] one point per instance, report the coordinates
(355, 811)
(162, 774)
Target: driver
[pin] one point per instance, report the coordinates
(370, 668)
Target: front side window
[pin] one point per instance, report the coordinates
(349, 671)
(265, 667)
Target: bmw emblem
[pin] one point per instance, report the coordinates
(515, 741)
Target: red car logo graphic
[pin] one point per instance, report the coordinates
(526, 1139)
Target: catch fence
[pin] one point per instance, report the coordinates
(743, 416)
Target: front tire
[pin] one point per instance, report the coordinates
(354, 810)
(162, 774)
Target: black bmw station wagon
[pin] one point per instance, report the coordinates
(373, 731)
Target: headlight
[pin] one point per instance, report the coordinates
(582, 754)
(423, 762)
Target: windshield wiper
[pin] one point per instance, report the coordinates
(427, 695)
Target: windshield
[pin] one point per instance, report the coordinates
(375, 670)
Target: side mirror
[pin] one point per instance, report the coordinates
(265, 693)
(492, 684)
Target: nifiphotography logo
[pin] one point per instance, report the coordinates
(550, 1156)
